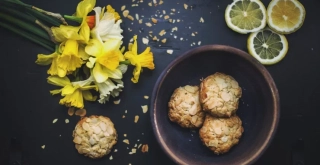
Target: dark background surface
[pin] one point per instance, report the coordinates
(28, 109)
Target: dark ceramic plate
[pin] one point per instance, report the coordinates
(258, 107)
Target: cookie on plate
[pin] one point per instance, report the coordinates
(185, 108)
(95, 136)
(221, 134)
(220, 94)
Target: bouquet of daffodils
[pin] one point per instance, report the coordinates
(87, 57)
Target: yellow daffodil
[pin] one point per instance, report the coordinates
(47, 60)
(145, 59)
(70, 60)
(80, 33)
(107, 25)
(105, 59)
(73, 93)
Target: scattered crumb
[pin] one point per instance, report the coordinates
(115, 150)
(164, 40)
(201, 20)
(123, 7)
(185, 6)
(170, 20)
(59, 135)
(134, 5)
(160, 2)
(144, 108)
(148, 24)
(137, 16)
(173, 10)
(130, 17)
(139, 146)
(140, 21)
(125, 135)
(174, 29)
(173, 21)
(81, 112)
(71, 111)
(166, 17)
(155, 38)
(169, 51)
(123, 116)
(162, 32)
(110, 158)
(126, 111)
(163, 11)
(43, 146)
(135, 145)
(192, 34)
(54, 121)
(199, 43)
(145, 41)
(136, 118)
(175, 36)
(146, 97)
(125, 13)
(181, 39)
(117, 101)
(133, 150)
(145, 148)
(67, 121)
(154, 20)
(126, 141)
(178, 20)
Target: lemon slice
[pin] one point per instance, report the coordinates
(246, 16)
(285, 16)
(267, 46)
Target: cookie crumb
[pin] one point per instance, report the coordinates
(54, 121)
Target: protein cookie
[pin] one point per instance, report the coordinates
(220, 94)
(94, 136)
(185, 108)
(221, 134)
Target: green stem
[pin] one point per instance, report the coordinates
(31, 37)
(24, 25)
(73, 18)
(126, 62)
(43, 17)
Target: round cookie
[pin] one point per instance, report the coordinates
(94, 136)
(185, 108)
(220, 94)
(221, 134)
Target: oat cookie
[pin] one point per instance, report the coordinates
(220, 94)
(94, 136)
(185, 108)
(221, 134)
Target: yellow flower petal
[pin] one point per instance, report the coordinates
(99, 73)
(110, 59)
(88, 87)
(84, 7)
(85, 31)
(53, 70)
(56, 91)
(46, 59)
(94, 47)
(131, 57)
(82, 53)
(58, 81)
(134, 47)
(146, 59)
(136, 73)
(64, 32)
(67, 90)
(91, 62)
(75, 99)
(87, 95)
(113, 11)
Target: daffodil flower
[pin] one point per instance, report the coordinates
(70, 60)
(145, 59)
(79, 33)
(73, 93)
(105, 59)
(107, 25)
(47, 60)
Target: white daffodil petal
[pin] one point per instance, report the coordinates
(100, 73)
(115, 74)
(123, 68)
(84, 82)
(105, 26)
(108, 88)
(97, 16)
